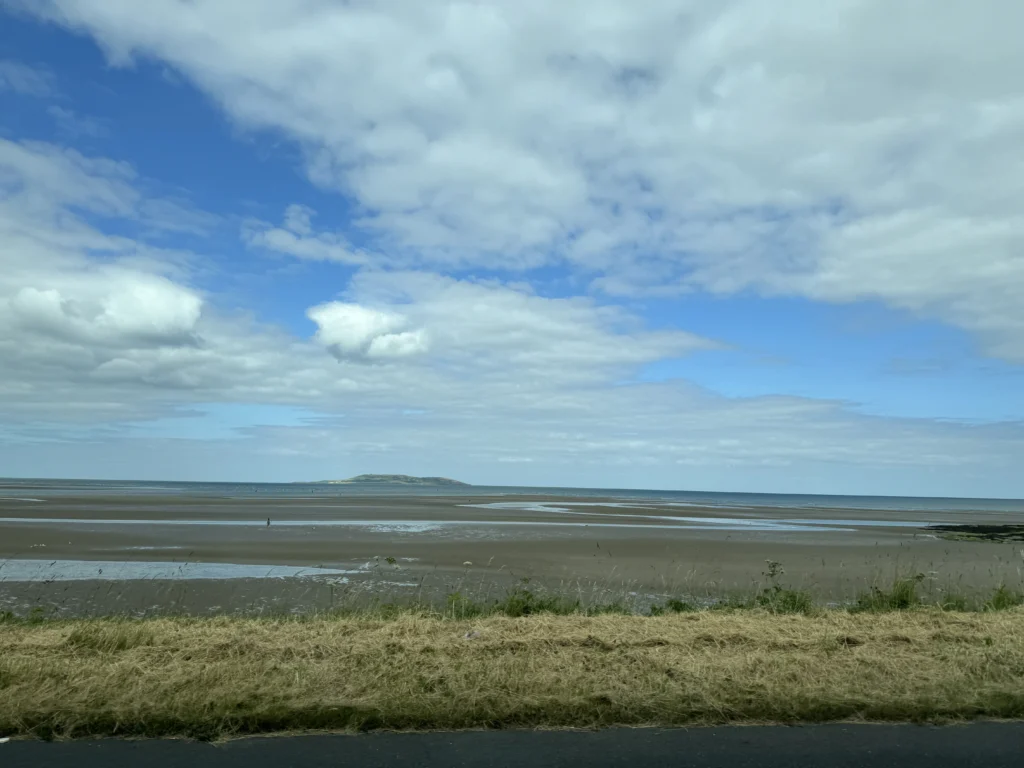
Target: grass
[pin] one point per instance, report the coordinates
(770, 594)
(904, 650)
(111, 637)
(216, 677)
(903, 593)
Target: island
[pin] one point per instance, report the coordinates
(392, 480)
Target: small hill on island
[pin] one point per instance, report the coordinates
(392, 480)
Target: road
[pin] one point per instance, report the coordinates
(985, 745)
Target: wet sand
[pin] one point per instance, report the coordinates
(587, 545)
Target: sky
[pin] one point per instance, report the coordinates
(728, 246)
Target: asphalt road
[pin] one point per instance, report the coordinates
(985, 745)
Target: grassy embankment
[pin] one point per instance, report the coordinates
(527, 661)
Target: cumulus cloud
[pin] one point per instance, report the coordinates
(352, 331)
(106, 308)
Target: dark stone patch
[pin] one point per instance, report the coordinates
(980, 532)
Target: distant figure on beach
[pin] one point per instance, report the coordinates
(268, 522)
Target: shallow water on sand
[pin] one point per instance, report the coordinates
(121, 570)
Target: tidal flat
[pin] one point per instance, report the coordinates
(91, 554)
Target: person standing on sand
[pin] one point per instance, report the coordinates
(268, 522)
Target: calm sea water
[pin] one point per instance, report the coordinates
(29, 488)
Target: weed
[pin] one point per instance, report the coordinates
(523, 602)
(779, 599)
(680, 606)
(461, 607)
(609, 609)
(954, 602)
(902, 596)
(672, 605)
(1003, 599)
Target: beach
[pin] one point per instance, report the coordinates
(93, 552)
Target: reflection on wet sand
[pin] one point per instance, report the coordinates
(119, 570)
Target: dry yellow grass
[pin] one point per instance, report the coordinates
(213, 677)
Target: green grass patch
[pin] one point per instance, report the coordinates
(901, 596)
(1003, 599)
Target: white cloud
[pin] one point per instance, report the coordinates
(41, 178)
(106, 307)
(21, 78)
(100, 328)
(352, 331)
(96, 327)
(41, 181)
(840, 150)
(296, 238)
(501, 331)
(100, 335)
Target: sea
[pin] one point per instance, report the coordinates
(24, 488)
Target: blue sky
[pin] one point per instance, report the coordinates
(281, 241)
